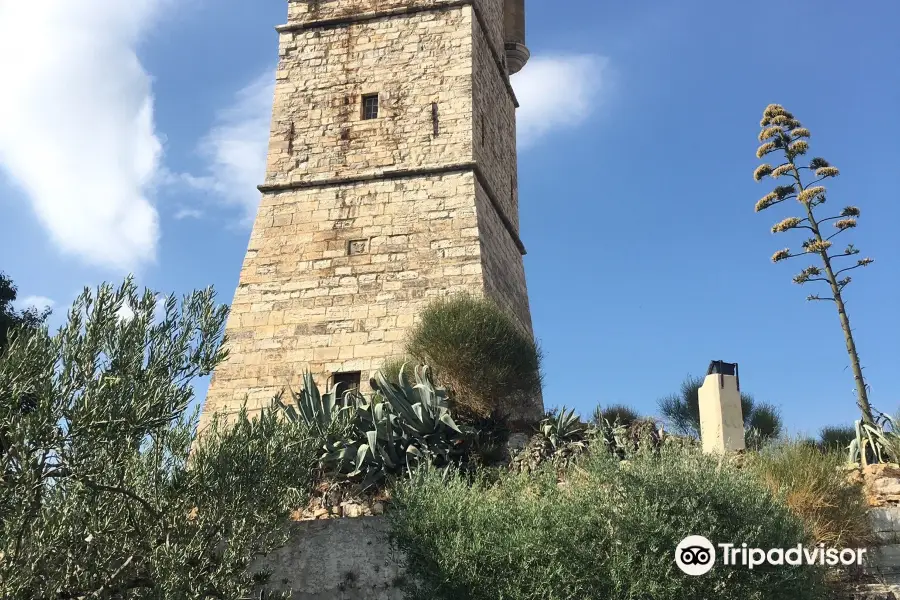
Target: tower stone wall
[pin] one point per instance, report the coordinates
(363, 221)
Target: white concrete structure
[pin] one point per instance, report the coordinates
(721, 417)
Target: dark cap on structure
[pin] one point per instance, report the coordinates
(721, 368)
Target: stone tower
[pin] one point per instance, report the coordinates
(391, 179)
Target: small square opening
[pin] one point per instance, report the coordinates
(370, 107)
(357, 247)
(346, 382)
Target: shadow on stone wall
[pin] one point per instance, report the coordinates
(337, 559)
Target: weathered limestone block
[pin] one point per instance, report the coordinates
(882, 484)
(882, 561)
(305, 12)
(885, 519)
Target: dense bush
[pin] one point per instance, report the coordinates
(479, 352)
(96, 495)
(837, 438)
(762, 421)
(615, 413)
(813, 485)
(609, 531)
(391, 367)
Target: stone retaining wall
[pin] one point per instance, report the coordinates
(331, 558)
(882, 569)
(338, 559)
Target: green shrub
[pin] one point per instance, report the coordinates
(682, 411)
(811, 483)
(624, 415)
(607, 532)
(561, 439)
(837, 438)
(613, 436)
(392, 366)
(490, 436)
(477, 351)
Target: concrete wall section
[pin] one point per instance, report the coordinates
(341, 559)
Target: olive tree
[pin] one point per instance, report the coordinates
(11, 318)
(98, 497)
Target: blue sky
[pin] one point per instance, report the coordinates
(132, 136)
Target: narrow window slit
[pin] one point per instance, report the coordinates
(434, 119)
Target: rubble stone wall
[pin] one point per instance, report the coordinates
(339, 559)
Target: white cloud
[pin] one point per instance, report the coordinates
(188, 213)
(125, 312)
(76, 124)
(38, 302)
(557, 92)
(236, 147)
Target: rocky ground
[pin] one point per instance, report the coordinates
(336, 501)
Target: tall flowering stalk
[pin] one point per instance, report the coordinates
(782, 134)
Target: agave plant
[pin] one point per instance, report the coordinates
(879, 440)
(398, 427)
(613, 435)
(423, 406)
(423, 416)
(372, 451)
(323, 414)
(563, 429)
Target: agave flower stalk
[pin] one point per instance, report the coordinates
(782, 133)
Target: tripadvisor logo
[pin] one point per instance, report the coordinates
(696, 555)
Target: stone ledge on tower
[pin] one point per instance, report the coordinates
(517, 53)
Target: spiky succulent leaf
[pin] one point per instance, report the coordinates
(447, 420)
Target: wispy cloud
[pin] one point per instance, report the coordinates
(77, 132)
(38, 302)
(188, 213)
(236, 146)
(557, 92)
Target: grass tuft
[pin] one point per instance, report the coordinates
(812, 484)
